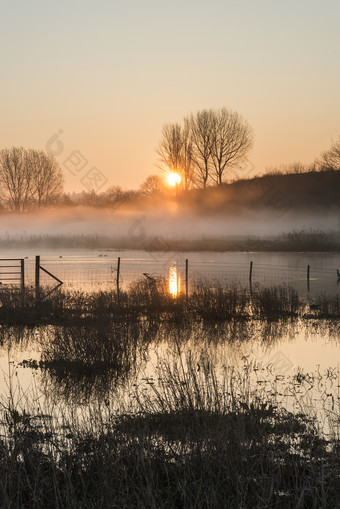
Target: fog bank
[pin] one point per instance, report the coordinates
(167, 222)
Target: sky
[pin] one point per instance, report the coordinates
(94, 81)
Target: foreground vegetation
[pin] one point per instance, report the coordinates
(193, 439)
(195, 433)
(151, 298)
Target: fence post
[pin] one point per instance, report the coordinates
(250, 272)
(308, 273)
(250, 277)
(37, 277)
(118, 273)
(22, 270)
(187, 278)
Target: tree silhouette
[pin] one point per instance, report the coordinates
(28, 179)
(200, 127)
(232, 140)
(152, 186)
(210, 143)
(330, 159)
(175, 152)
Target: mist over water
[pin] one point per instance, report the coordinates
(169, 221)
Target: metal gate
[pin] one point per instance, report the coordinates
(12, 271)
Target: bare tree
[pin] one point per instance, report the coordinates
(47, 177)
(15, 179)
(232, 139)
(210, 142)
(90, 199)
(200, 127)
(28, 179)
(175, 152)
(114, 196)
(187, 158)
(330, 159)
(152, 186)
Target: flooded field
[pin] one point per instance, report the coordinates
(298, 360)
(290, 348)
(156, 384)
(91, 270)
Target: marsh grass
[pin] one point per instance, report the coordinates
(193, 439)
(91, 333)
(154, 301)
(282, 300)
(327, 306)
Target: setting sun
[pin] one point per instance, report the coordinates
(174, 179)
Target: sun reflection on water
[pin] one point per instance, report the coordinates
(174, 281)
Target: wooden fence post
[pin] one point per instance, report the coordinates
(187, 279)
(250, 272)
(22, 271)
(250, 277)
(37, 277)
(308, 273)
(118, 274)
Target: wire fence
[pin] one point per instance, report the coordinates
(99, 271)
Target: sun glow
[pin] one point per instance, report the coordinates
(174, 282)
(174, 179)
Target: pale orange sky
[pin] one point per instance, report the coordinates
(109, 74)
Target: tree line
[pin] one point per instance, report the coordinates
(202, 150)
